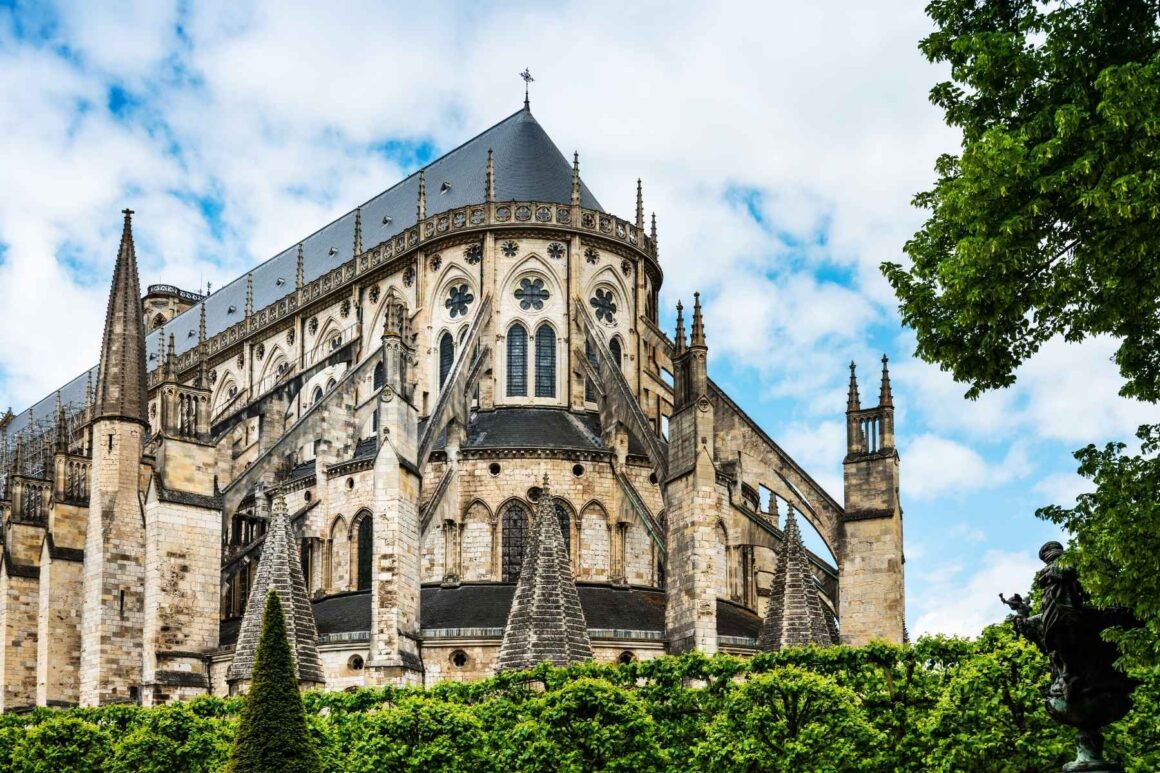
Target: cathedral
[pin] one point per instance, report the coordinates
(448, 430)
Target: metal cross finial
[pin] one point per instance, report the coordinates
(527, 76)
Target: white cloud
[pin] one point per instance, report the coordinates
(938, 466)
(1063, 488)
(959, 604)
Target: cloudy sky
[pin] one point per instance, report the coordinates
(779, 144)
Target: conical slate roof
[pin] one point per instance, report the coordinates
(546, 621)
(279, 569)
(795, 615)
(121, 380)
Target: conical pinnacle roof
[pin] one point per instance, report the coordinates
(546, 621)
(795, 615)
(121, 380)
(280, 570)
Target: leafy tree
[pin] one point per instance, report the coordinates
(791, 720)
(587, 725)
(1047, 224)
(173, 738)
(61, 743)
(991, 717)
(418, 734)
(273, 733)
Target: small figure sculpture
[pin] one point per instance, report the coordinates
(1087, 691)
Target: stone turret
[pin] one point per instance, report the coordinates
(546, 621)
(795, 615)
(871, 571)
(281, 571)
(114, 568)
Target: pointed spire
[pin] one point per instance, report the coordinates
(885, 397)
(203, 353)
(653, 235)
(300, 271)
(88, 390)
(679, 348)
(421, 210)
(121, 383)
(576, 178)
(795, 615)
(280, 570)
(358, 231)
(61, 440)
(853, 402)
(171, 358)
(697, 337)
(201, 326)
(489, 183)
(162, 355)
(546, 621)
(639, 206)
(249, 294)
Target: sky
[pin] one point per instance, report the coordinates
(779, 143)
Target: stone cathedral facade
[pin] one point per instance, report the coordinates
(369, 423)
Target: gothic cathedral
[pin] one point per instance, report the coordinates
(449, 431)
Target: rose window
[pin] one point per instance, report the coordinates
(531, 294)
(510, 248)
(473, 253)
(604, 305)
(591, 255)
(459, 297)
(556, 250)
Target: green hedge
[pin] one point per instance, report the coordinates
(939, 704)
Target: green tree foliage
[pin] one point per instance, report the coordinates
(586, 725)
(939, 704)
(61, 743)
(1047, 224)
(273, 733)
(173, 738)
(790, 720)
(990, 717)
(414, 735)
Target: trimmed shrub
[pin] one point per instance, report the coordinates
(273, 735)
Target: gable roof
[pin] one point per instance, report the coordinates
(528, 167)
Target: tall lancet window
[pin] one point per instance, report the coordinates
(614, 347)
(365, 551)
(446, 356)
(517, 361)
(565, 526)
(589, 389)
(515, 534)
(545, 361)
(379, 377)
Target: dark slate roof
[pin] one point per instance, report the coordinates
(533, 428)
(366, 448)
(486, 606)
(300, 471)
(528, 167)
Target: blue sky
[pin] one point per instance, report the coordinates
(780, 145)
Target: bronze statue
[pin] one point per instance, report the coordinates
(1087, 691)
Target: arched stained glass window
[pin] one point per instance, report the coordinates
(314, 398)
(545, 361)
(565, 520)
(365, 551)
(380, 376)
(446, 356)
(515, 535)
(614, 347)
(517, 361)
